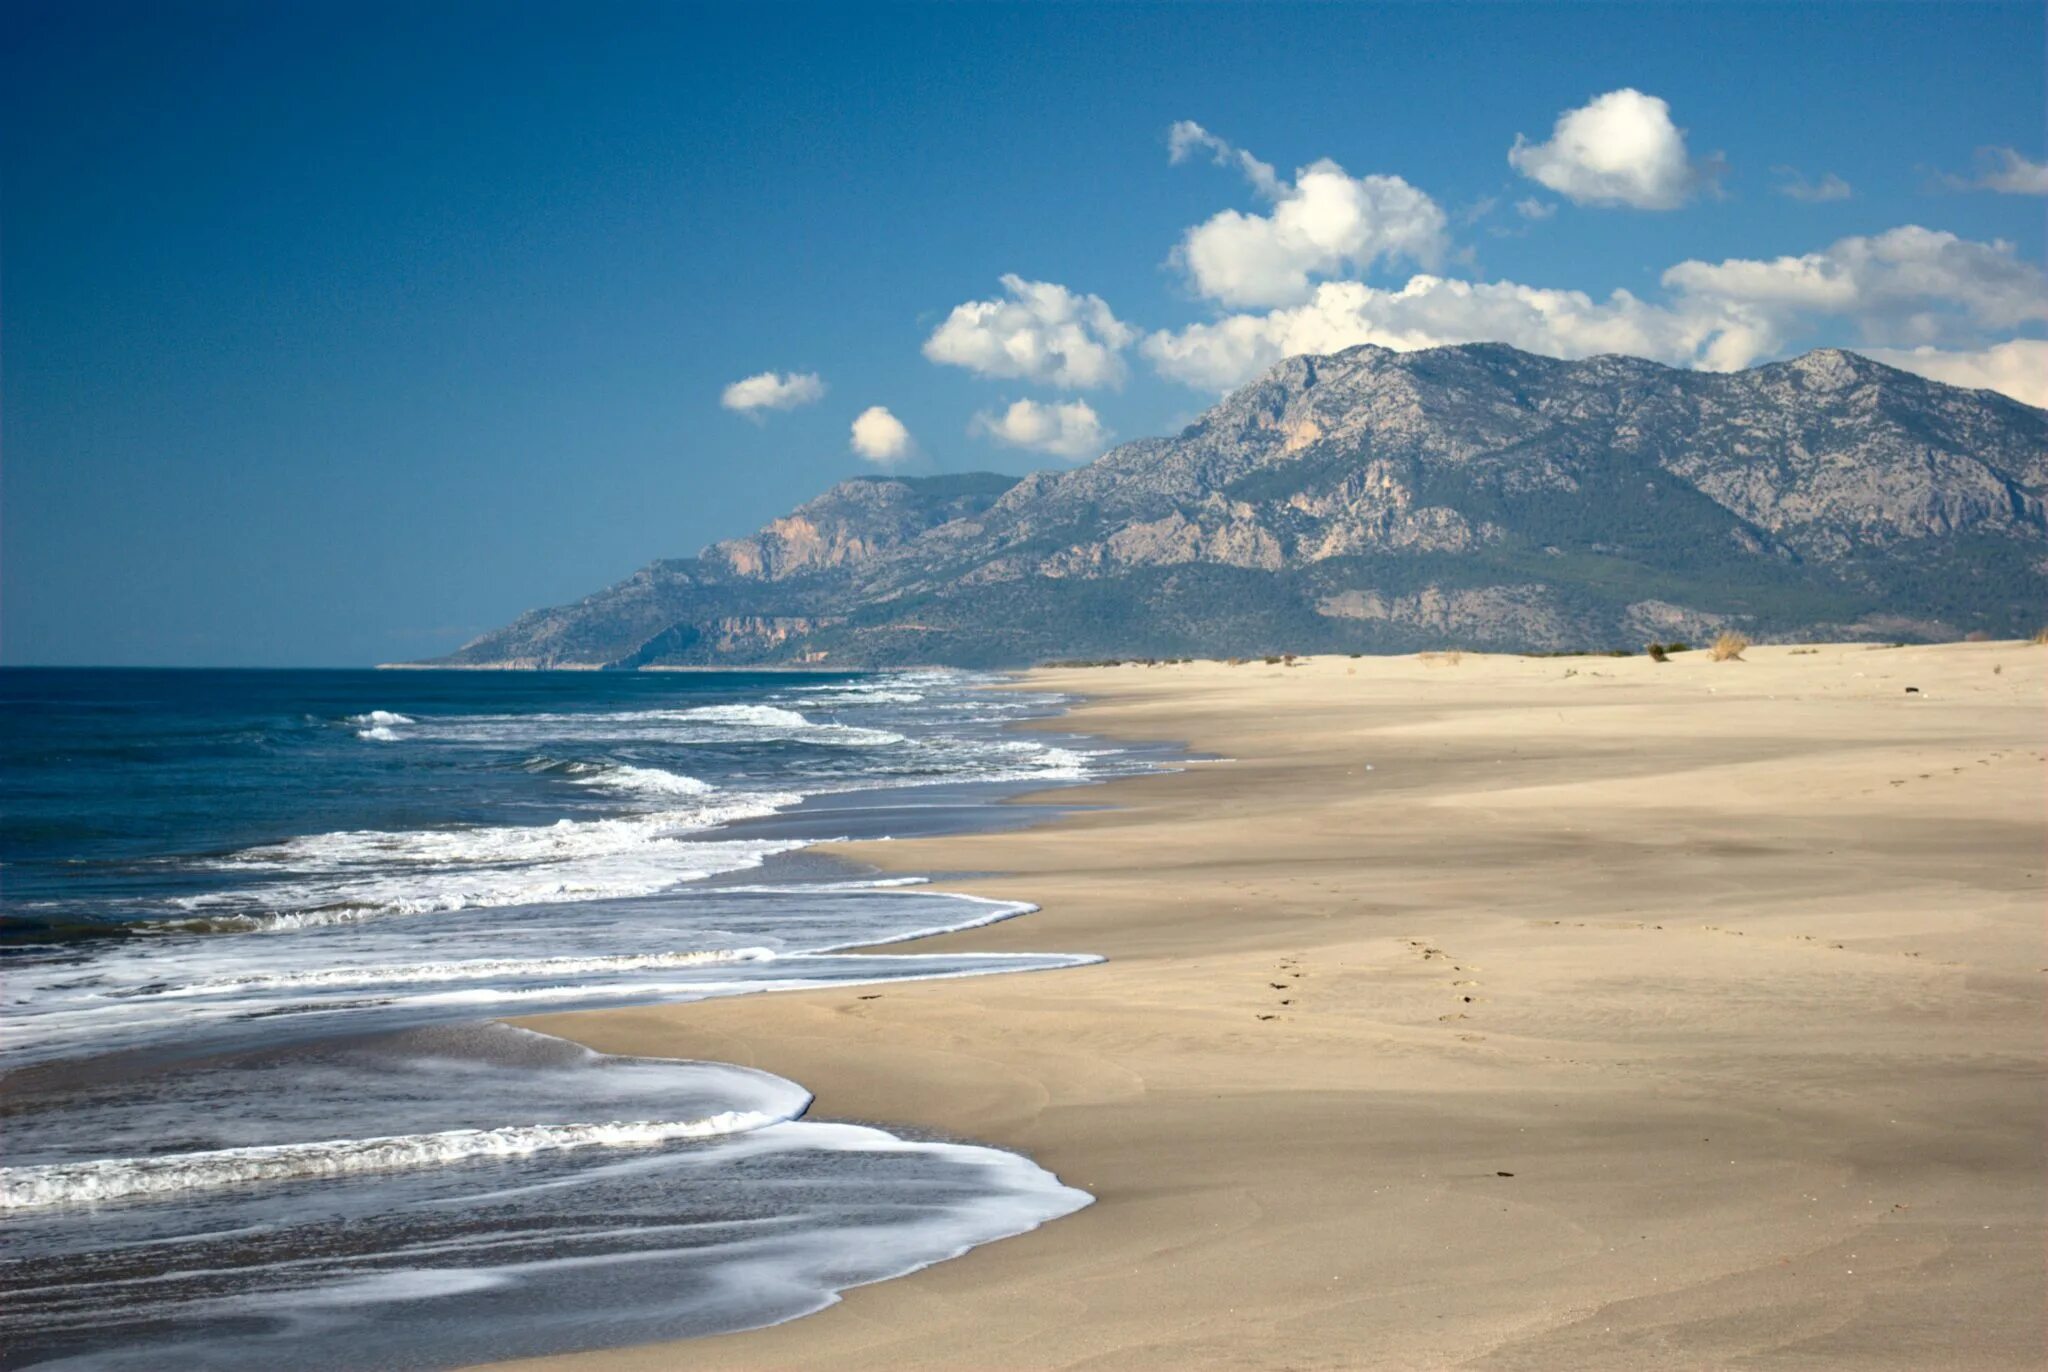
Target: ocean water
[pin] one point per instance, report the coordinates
(255, 928)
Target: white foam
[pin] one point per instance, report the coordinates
(826, 695)
(382, 717)
(352, 849)
(853, 736)
(378, 734)
(945, 966)
(737, 723)
(477, 969)
(854, 887)
(993, 912)
(646, 781)
(105, 1179)
(773, 715)
(654, 865)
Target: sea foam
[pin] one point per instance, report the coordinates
(478, 969)
(645, 781)
(108, 1179)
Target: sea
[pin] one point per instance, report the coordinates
(258, 934)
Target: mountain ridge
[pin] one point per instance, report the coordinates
(1371, 500)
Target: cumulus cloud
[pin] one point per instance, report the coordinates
(879, 437)
(1040, 332)
(1793, 185)
(1908, 285)
(1069, 430)
(771, 391)
(1324, 221)
(1620, 149)
(1906, 288)
(1431, 311)
(2005, 170)
(2017, 367)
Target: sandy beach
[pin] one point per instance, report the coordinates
(1478, 1012)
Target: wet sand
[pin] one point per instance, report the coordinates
(1480, 1012)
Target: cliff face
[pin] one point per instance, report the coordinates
(852, 524)
(1373, 500)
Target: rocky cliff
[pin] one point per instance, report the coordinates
(1373, 500)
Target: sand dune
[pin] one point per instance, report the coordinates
(1481, 1012)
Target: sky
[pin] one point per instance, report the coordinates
(333, 334)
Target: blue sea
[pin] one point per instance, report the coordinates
(257, 1109)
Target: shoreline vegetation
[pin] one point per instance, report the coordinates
(1476, 1011)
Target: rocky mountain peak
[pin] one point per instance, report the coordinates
(1372, 499)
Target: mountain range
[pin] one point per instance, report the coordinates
(1378, 501)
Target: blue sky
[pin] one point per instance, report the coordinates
(339, 333)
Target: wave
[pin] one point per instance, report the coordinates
(825, 695)
(854, 886)
(1027, 760)
(499, 845)
(626, 777)
(773, 715)
(853, 736)
(107, 1179)
(283, 906)
(777, 718)
(381, 717)
(994, 912)
(377, 734)
(469, 970)
(733, 723)
(646, 781)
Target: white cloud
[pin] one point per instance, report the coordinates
(1431, 311)
(1041, 332)
(1793, 185)
(1908, 285)
(1620, 149)
(769, 391)
(1532, 208)
(879, 437)
(1325, 221)
(1070, 430)
(1901, 289)
(1187, 139)
(2006, 170)
(2018, 367)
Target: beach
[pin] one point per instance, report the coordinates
(1475, 1011)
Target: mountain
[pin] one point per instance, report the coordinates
(1380, 501)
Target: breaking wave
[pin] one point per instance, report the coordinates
(825, 695)
(477, 969)
(496, 845)
(645, 781)
(773, 715)
(656, 866)
(109, 1179)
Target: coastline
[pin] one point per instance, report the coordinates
(1750, 1071)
